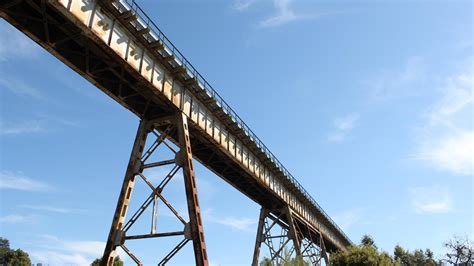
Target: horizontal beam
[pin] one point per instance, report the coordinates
(177, 233)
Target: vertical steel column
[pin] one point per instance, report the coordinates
(195, 222)
(293, 233)
(134, 164)
(264, 235)
(323, 249)
(259, 240)
(183, 160)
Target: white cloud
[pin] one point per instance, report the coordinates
(284, 14)
(58, 120)
(433, 199)
(94, 248)
(51, 209)
(239, 223)
(446, 141)
(241, 5)
(454, 153)
(396, 83)
(14, 44)
(346, 123)
(20, 88)
(343, 126)
(12, 218)
(21, 128)
(348, 218)
(58, 258)
(55, 251)
(457, 98)
(12, 180)
(44, 123)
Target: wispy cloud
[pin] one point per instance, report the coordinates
(241, 5)
(396, 83)
(446, 141)
(454, 153)
(18, 181)
(54, 119)
(284, 14)
(51, 209)
(434, 199)
(348, 218)
(239, 223)
(58, 258)
(14, 44)
(21, 128)
(56, 251)
(12, 218)
(343, 126)
(20, 88)
(40, 123)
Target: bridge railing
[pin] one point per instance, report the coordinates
(143, 21)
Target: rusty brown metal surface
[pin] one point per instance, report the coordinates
(294, 237)
(194, 210)
(139, 160)
(115, 234)
(278, 236)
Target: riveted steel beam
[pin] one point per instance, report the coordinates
(193, 229)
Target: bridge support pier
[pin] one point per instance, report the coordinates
(285, 239)
(140, 161)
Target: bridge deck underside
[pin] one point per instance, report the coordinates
(97, 63)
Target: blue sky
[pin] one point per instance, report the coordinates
(368, 103)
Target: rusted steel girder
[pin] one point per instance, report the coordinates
(193, 229)
(291, 242)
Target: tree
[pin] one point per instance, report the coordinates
(4, 249)
(287, 260)
(429, 258)
(12, 257)
(4, 243)
(117, 262)
(361, 255)
(17, 257)
(401, 255)
(418, 257)
(460, 251)
(266, 262)
(367, 240)
(366, 254)
(296, 261)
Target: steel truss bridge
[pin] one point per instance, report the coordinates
(116, 46)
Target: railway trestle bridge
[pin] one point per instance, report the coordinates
(117, 47)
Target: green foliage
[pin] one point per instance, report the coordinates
(367, 240)
(367, 254)
(364, 254)
(17, 257)
(296, 261)
(361, 255)
(12, 257)
(266, 262)
(4, 243)
(4, 249)
(117, 262)
(418, 257)
(287, 260)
